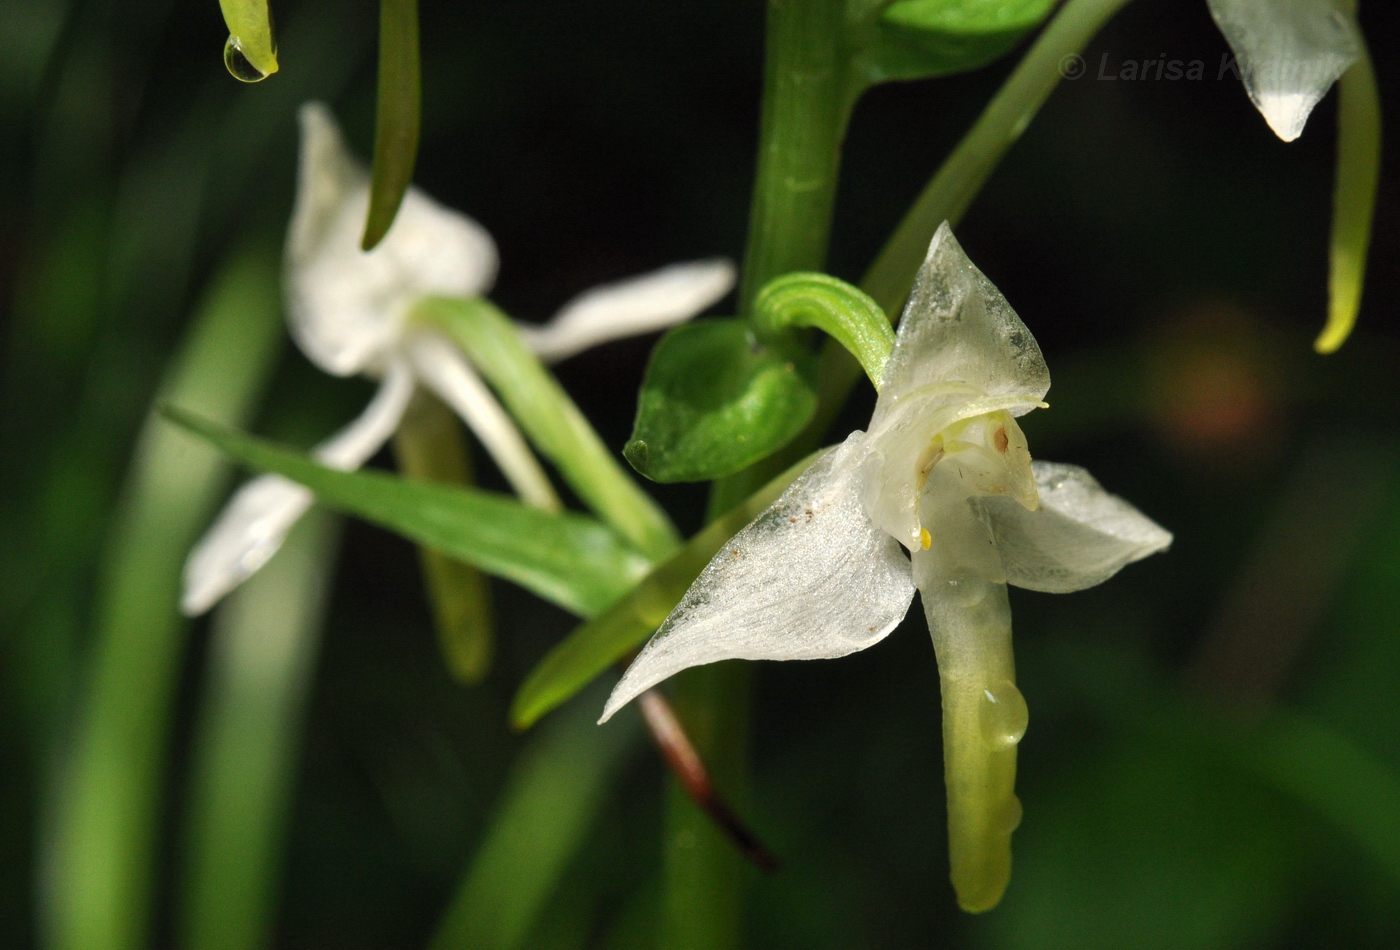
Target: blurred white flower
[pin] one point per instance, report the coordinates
(943, 472)
(1290, 52)
(348, 312)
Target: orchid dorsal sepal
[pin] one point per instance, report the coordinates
(251, 51)
(844, 312)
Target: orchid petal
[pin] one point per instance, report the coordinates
(1290, 53)
(257, 518)
(347, 306)
(642, 304)
(810, 578)
(961, 352)
(446, 372)
(1079, 537)
(247, 533)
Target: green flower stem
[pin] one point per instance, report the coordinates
(845, 313)
(805, 108)
(262, 654)
(962, 176)
(429, 445)
(806, 104)
(105, 822)
(1353, 198)
(552, 421)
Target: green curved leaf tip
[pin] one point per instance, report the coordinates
(849, 315)
(251, 51)
(568, 559)
(1353, 199)
(397, 117)
(714, 401)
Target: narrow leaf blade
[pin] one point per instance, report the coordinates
(397, 117)
(568, 559)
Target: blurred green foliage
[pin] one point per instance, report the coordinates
(1214, 750)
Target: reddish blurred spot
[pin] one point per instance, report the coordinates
(1214, 389)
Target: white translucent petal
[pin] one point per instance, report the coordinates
(654, 301)
(810, 578)
(346, 307)
(1290, 52)
(959, 333)
(257, 518)
(1080, 536)
(246, 534)
(446, 372)
(961, 352)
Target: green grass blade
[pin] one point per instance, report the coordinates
(962, 176)
(609, 637)
(552, 421)
(1353, 199)
(397, 117)
(568, 559)
(543, 818)
(262, 653)
(105, 821)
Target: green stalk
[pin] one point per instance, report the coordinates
(962, 176)
(262, 654)
(105, 821)
(805, 108)
(806, 105)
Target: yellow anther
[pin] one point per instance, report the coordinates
(925, 538)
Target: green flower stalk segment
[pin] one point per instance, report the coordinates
(940, 494)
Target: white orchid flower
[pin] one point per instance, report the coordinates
(1290, 52)
(348, 311)
(943, 472)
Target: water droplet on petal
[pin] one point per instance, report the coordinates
(1011, 815)
(238, 66)
(1004, 715)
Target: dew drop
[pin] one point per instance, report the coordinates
(1010, 815)
(238, 66)
(1004, 715)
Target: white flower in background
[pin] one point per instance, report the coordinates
(348, 311)
(1290, 52)
(943, 471)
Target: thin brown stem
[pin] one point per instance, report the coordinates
(685, 763)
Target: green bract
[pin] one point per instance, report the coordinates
(716, 400)
(917, 39)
